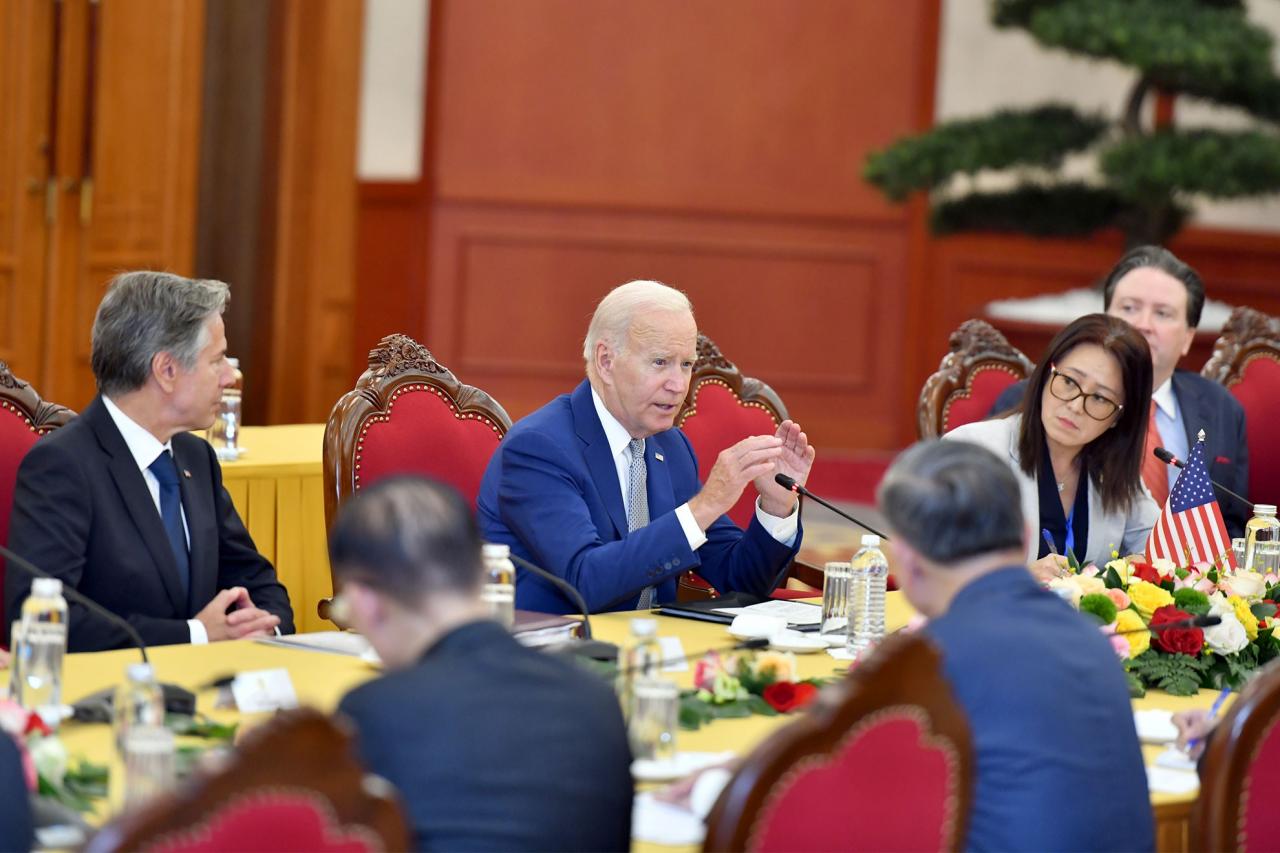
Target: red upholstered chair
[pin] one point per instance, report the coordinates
(1240, 773)
(881, 761)
(721, 408)
(292, 783)
(24, 417)
(408, 414)
(966, 384)
(1246, 359)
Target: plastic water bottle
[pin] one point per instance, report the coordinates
(835, 603)
(1262, 540)
(41, 642)
(499, 592)
(869, 571)
(642, 659)
(145, 744)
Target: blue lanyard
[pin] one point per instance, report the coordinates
(1071, 529)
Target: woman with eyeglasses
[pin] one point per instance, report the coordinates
(1076, 445)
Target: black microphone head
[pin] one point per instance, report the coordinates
(785, 481)
(755, 642)
(1163, 455)
(1207, 621)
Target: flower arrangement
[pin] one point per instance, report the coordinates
(743, 684)
(45, 763)
(1129, 595)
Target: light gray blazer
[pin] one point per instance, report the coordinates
(1125, 532)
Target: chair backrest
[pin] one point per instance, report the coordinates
(884, 756)
(408, 414)
(24, 417)
(292, 783)
(1246, 359)
(723, 407)
(980, 365)
(1240, 773)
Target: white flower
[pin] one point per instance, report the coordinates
(50, 757)
(1247, 585)
(1068, 589)
(1227, 637)
(1164, 566)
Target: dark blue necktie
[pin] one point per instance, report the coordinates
(171, 513)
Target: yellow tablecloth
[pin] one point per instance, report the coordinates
(278, 489)
(320, 680)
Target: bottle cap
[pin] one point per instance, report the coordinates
(870, 540)
(1264, 509)
(46, 587)
(495, 551)
(644, 627)
(140, 672)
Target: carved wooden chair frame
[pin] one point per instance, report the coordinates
(902, 678)
(1217, 819)
(711, 366)
(20, 398)
(398, 364)
(300, 752)
(975, 346)
(1248, 334)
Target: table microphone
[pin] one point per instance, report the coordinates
(1169, 459)
(745, 645)
(790, 483)
(587, 646)
(1206, 621)
(96, 707)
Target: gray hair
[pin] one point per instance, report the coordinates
(951, 500)
(615, 313)
(407, 537)
(144, 313)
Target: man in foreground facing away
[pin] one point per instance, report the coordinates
(125, 505)
(599, 488)
(1057, 760)
(492, 746)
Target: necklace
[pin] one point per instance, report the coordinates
(1062, 487)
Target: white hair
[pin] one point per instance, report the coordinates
(613, 317)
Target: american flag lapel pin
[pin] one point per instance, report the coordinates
(658, 456)
(186, 473)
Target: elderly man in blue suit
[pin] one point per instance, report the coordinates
(599, 488)
(1162, 297)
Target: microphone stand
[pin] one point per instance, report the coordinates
(1194, 622)
(1169, 459)
(587, 646)
(790, 483)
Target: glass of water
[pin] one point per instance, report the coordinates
(655, 716)
(835, 602)
(149, 757)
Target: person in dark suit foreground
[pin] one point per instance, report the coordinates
(599, 488)
(1057, 760)
(493, 746)
(124, 504)
(1162, 298)
(16, 826)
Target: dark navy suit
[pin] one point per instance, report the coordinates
(1207, 406)
(82, 512)
(16, 832)
(497, 747)
(551, 492)
(1057, 758)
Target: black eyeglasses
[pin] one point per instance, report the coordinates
(1097, 406)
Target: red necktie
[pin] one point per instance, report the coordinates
(1154, 472)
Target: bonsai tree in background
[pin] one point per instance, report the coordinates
(1147, 178)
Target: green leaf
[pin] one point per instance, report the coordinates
(1069, 209)
(1179, 675)
(1214, 163)
(1262, 610)
(1111, 579)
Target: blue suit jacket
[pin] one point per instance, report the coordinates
(493, 746)
(551, 492)
(1207, 406)
(1057, 759)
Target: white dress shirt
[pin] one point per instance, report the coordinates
(781, 529)
(1173, 433)
(144, 448)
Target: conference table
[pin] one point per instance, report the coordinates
(320, 679)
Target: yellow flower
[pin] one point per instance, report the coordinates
(1147, 598)
(1245, 615)
(1122, 569)
(1140, 640)
(781, 664)
(1091, 586)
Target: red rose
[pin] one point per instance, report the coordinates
(1146, 572)
(1186, 641)
(784, 696)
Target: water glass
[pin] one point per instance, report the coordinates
(224, 434)
(654, 719)
(835, 601)
(1237, 548)
(148, 763)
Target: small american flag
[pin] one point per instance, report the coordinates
(1190, 529)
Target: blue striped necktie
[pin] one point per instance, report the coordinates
(166, 472)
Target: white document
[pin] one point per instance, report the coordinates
(795, 612)
(1175, 759)
(672, 651)
(655, 822)
(1162, 780)
(264, 690)
(336, 642)
(1155, 726)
